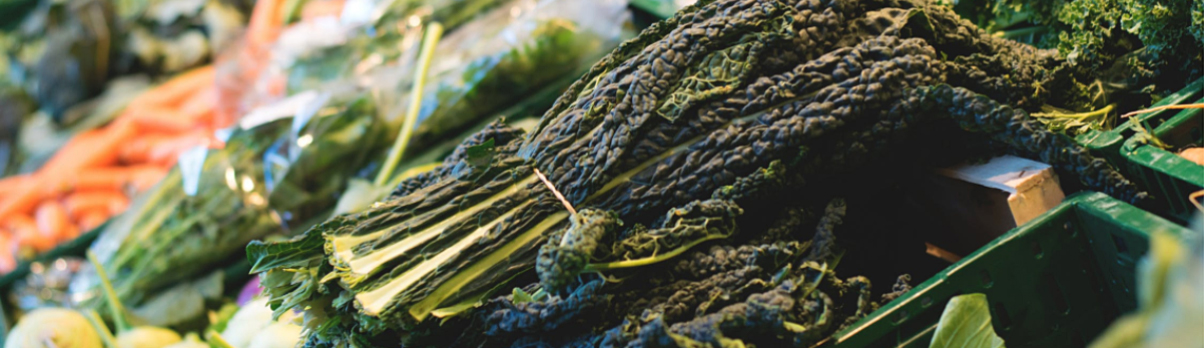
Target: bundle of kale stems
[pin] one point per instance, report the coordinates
(687, 191)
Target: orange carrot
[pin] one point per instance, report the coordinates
(8, 261)
(105, 152)
(194, 108)
(26, 232)
(145, 178)
(177, 89)
(267, 20)
(201, 102)
(35, 240)
(108, 178)
(159, 120)
(52, 220)
(138, 150)
(69, 233)
(75, 148)
(275, 85)
(22, 200)
(11, 183)
(200, 110)
(111, 202)
(91, 219)
(19, 222)
(111, 178)
(91, 149)
(315, 9)
(167, 151)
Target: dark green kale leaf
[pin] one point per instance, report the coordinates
(569, 252)
(512, 316)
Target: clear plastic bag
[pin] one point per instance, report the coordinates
(501, 58)
(268, 179)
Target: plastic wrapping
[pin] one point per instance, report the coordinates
(267, 179)
(510, 53)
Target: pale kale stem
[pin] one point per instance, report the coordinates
(433, 33)
(1079, 115)
(465, 276)
(359, 266)
(376, 300)
(644, 261)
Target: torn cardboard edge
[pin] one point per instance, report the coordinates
(1032, 186)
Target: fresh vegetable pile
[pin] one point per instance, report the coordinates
(96, 173)
(286, 164)
(65, 52)
(681, 136)
(93, 177)
(740, 174)
(1122, 54)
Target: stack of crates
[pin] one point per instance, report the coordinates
(1169, 178)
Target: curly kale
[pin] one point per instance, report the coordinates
(1117, 49)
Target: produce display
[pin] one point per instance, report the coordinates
(94, 174)
(689, 118)
(92, 177)
(585, 173)
(66, 52)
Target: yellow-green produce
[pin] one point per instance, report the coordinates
(147, 337)
(53, 328)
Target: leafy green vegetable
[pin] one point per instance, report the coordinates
(966, 323)
(1128, 48)
(556, 47)
(129, 335)
(680, 129)
(181, 303)
(168, 237)
(385, 39)
(64, 53)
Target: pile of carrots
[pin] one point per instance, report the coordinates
(94, 176)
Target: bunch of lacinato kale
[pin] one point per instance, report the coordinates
(672, 149)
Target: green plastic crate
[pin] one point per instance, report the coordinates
(1057, 281)
(1165, 175)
